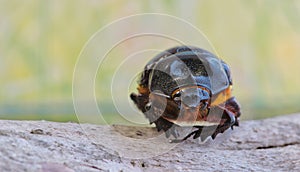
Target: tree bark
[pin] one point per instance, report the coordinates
(261, 145)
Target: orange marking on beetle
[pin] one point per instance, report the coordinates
(143, 90)
(222, 97)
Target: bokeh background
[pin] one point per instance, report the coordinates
(40, 42)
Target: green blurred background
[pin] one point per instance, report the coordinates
(41, 40)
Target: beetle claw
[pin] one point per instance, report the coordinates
(197, 134)
(236, 122)
(214, 136)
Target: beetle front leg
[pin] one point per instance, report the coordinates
(230, 121)
(168, 127)
(233, 106)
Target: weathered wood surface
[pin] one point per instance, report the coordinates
(262, 145)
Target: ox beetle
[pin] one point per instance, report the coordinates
(187, 86)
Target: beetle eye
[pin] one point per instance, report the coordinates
(177, 96)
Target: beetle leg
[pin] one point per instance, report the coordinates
(168, 127)
(233, 106)
(202, 133)
(186, 137)
(231, 120)
(197, 133)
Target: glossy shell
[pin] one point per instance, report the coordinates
(185, 66)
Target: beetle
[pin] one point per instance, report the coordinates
(187, 86)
